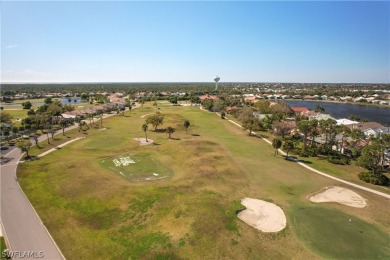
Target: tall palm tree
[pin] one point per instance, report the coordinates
(145, 128)
(186, 125)
(47, 130)
(304, 128)
(169, 131)
(319, 109)
(276, 143)
(288, 146)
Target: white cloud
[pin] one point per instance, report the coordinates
(13, 46)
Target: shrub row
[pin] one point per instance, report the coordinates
(377, 179)
(339, 160)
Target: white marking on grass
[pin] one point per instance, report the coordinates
(116, 162)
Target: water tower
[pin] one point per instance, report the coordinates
(216, 79)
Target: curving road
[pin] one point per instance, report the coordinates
(22, 228)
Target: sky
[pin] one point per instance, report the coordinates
(105, 41)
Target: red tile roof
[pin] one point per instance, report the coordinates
(299, 109)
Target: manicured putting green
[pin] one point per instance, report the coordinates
(334, 234)
(137, 167)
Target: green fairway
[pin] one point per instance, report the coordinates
(104, 141)
(334, 234)
(138, 167)
(91, 209)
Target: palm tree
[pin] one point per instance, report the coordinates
(186, 124)
(47, 130)
(63, 124)
(319, 109)
(101, 119)
(25, 146)
(36, 140)
(223, 115)
(276, 143)
(288, 146)
(304, 128)
(145, 128)
(169, 131)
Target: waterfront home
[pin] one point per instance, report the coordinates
(346, 98)
(299, 110)
(261, 116)
(321, 117)
(309, 97)
(362, 126)
(346, 122)
(309, 114)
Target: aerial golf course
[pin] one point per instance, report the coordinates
(108, 197)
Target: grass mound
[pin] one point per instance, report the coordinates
(137, 167)
(334, 234)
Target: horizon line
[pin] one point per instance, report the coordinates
(187, 82)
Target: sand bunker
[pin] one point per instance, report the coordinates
(142, 141)
(262, 215)
(340, 195)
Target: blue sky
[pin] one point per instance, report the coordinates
(194, 41)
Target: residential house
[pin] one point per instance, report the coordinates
(299, 110)
(207, 96)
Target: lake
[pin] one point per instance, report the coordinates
(343, 110)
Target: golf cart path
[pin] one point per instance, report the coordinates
(22, 228)
(60, 146)
(387, 196)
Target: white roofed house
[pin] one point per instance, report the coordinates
(324, 117)
(370, 129)
(346, 122)
(371, 133)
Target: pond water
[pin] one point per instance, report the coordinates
(343, 110)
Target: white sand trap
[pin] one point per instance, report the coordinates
(340, 195)
(142, 141)
(262, 215)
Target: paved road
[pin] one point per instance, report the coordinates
(22, 227)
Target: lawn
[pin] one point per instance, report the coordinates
(3, 246)
(348, 236)
(16, 112)
(94, 212)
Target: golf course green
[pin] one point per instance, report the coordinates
(347, 236)
(137, 167)
(95, 212)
